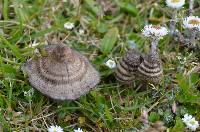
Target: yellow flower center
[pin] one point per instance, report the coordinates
(175, 1)
(194, 22)
(111, 63)
(192, 122)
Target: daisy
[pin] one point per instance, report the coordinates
(154, 31)
(110, 63)
(176, 4)
(190, 122)
(29, 93)
(81, 31)
(192, 22)
(186, 118)
(55, 129)
(34, 45)
(193, 124)
(78, 130)
(69, 25)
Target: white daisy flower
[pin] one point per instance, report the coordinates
(110, 63)
(193, 124)
(176, 4)
(186, 118)
(34, 44)
(81, 31)
(192, 22)
(55, 129)
(190, 122)
(29, 93)
(78, 130)
(69, 25)
(154, 31)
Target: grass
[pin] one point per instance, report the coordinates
(110, 28)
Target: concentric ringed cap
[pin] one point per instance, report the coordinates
(62, 74)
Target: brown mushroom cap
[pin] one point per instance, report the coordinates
(63, 74)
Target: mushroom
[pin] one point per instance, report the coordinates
(62, 74)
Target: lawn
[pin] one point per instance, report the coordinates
(101, 30)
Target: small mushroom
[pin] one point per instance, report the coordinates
(127, 67)
(62, 74)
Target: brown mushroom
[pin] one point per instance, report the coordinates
(62, 74)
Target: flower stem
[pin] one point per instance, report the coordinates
(191, 6)
(193, 37)
(173, 22)
(154, 43)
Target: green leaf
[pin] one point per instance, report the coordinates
(37, 34)
(179, 126)
(1, 102)
(92, 7)
(194, 78)
(14, 48)
(109, 40)
(5, 9)
(183, 82)
(102, 27)
(188, 93)
(108, 114)
(4, 124)
(153, 117)
(8, 70)
(129, 8)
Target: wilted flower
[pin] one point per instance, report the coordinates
(154, 31)
(190, 122)
(78, 130)
(192, 22)
(69, 25)
(55, 129)
(144, 116)
(174, 107)
(110, 63)
(176, 4)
